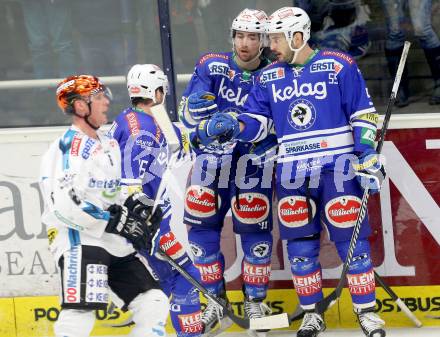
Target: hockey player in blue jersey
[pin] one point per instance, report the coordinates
(221, 83)
(325, 123)
(144, 156)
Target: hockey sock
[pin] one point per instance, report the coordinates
(257, 248)
(74, 323)
(205, 245)
(306, 270)
(185, 305)
(150, 312)
(360, 276)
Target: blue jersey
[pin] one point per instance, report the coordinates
(219, 73)
(320, 110)
(144, 150)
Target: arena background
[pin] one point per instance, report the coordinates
(105, 37)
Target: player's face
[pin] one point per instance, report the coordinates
(280, 47)
(247, 45)
(100, 104)
(159, 95)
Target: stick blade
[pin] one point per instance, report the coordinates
(163, 120)
(269, 322)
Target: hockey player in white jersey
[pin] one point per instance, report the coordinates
(92, 233)
(325, 123)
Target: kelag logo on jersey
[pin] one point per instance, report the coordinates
(230, 95)
(272, 75)
(318, 90)
(219, 68)
(302, 114)
(326, 65)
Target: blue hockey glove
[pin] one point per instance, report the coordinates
(369, 170)
(201, 105)
(265, 150)
(222, 127)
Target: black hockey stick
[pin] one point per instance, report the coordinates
(331, 299)
(398, 301)
(268, 322)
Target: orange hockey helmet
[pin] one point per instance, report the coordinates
(77, 87)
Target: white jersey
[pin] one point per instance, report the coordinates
(80, 179)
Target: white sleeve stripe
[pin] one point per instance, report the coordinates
(362, 112)
(209, 108)
(316, 133)
(364, 125)
(265, 124)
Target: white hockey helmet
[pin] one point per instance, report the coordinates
(290, 20)
(252, 21)
(144, 79)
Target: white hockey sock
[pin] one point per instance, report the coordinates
(74, 323)
(150, 312)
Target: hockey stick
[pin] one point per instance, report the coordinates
(398, 301)
(166, 126)
(331, 299)
(268, 322)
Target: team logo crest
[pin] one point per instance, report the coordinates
(302, 114)
(197, 250)
(261, 249)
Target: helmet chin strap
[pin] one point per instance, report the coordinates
(248, 65)
(86, 117)
(295, 50)
(251, 64)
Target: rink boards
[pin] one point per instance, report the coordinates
(34, 316)
(405, 240)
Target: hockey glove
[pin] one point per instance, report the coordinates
(265, 151)
(141, 233)
(369, 170)
(222, 127)
(201, 105)
(140, 204)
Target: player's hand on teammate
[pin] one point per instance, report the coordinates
(369, 170)
(222, 127)
(201, 105)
